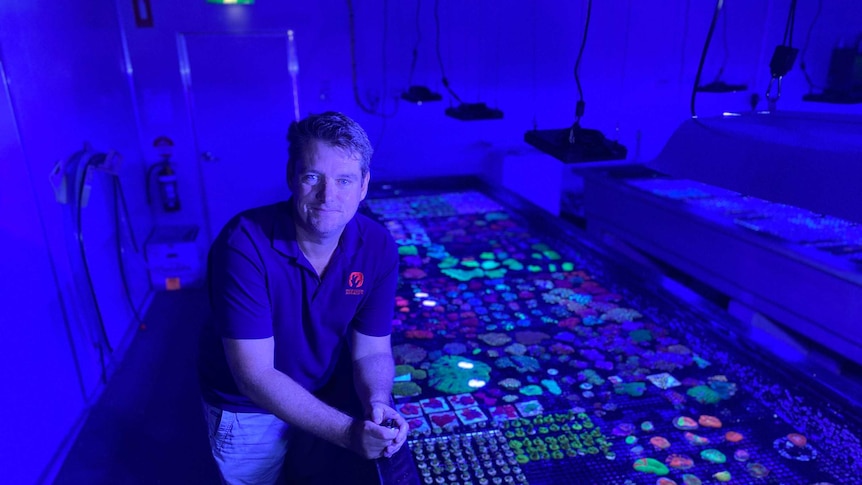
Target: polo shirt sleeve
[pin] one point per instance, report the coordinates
(375, 315)
(238, 289)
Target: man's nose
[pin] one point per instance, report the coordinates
(326, 190)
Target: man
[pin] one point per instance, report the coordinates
(292, 284)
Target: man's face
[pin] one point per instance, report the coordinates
(327, 188)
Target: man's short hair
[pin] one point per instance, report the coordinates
(333, 128)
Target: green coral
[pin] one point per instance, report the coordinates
(635, 389)
(404, 370)
(592, 377)
(495, 273)
(456, 375)
(651, 465)
(641, 335)
(552, 386)
(513, 264)
(408, 250)
(531, 390)
(704, 395)
(463, 275)
(406, 389)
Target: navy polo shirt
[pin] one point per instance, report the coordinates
(261, 285)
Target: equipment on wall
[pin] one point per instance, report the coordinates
(782, 59)
(464, 111)
(717, 85)
(417, 93)
(72, 181)
(577, 144)
(844, 77)
(696, 87)
(172, 257)
(166, 176)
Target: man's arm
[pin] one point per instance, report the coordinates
(251, 362)
(374, 371)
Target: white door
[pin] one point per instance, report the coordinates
(239, 94)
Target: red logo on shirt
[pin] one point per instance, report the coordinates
(355, 281)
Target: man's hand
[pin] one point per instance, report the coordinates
(384, 423)
(374, 371)
(370, 440)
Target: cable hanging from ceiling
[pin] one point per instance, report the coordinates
(581, 105)
(353, 64)
(463, 111)
(802, 65)
(418, 93)
(576, 144)
(782, 58)
(718, 5)
(444, 79)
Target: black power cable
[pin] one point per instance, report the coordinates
(104, 341)
(416, 45)
(783, 57)
(790, 24)
(439, 55)
(718, 5)
(149, 177)
(581, 105)
(120, 199)
(356, 96)
(811, 84)
(354, 71)
(717, 85)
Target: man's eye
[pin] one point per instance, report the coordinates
(310, 179)
(344, 181)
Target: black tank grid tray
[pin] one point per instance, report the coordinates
(788, 223)
(526, 355)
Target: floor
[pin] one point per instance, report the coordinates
(147, 427)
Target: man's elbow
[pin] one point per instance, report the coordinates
(382, 356)
(250, 383)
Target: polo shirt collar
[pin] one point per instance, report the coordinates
(284, 231)
(351, 238)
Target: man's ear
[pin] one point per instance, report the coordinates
(365, 181)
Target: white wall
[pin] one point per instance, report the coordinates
(65, 84)
(637, 71)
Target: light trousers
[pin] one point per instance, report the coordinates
(249, 448)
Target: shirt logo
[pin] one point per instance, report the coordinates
(354, 283)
